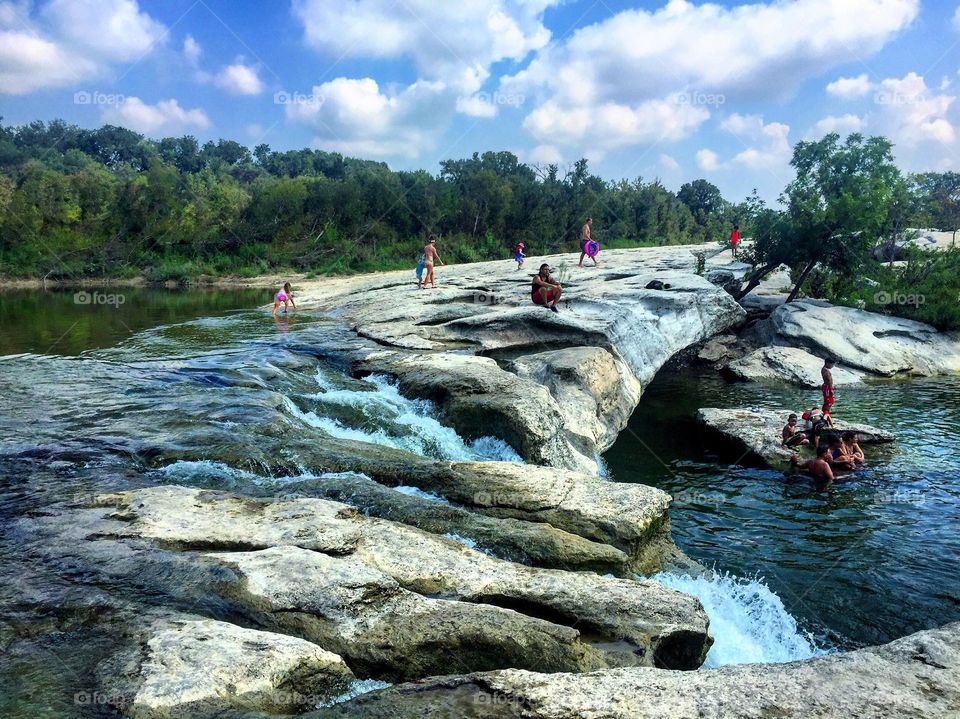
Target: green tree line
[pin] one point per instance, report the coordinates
(77, 202)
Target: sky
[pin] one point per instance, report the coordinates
(668, 89)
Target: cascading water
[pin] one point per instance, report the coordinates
(747, 619)
(373, 410)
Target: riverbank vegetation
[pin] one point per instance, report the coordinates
(78, 203)
(109, 202)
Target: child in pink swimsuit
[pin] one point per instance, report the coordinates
(285, 295)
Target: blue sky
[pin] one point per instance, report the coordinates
(669, 88)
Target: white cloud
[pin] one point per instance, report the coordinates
(29, 62)
(71, 41)
(191, 50)
(767, 145)
(111, 29)
(842, 125)
(165, 116)
(703, 54)
(476, 106)
(668, 163)
(239, 79)
(545, 155)
(708, 160)
(911, 114)
(355, 117)
(611, 125)
(453, 42)
(850, 87)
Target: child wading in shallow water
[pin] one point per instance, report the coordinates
(285, 295)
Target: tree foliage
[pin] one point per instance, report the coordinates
(76, 202)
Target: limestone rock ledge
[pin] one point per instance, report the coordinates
(757, 434)
(201, 667)
(917, 677)
(557, 387)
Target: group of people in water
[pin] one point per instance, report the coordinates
(834, 450)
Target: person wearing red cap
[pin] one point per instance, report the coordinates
(518, 255)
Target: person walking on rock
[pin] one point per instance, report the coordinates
(586, 239)
(735, 240)
(429, 255)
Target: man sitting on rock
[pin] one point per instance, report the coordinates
(818, 467)
(546, 291)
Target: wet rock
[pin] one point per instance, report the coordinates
(911, 678)
(668, 627)
(757, 435)
(788, 364)
(386, 631)
(202, 667)
(867, 341)
(536, 543)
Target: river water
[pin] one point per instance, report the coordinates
(863, 561)
(197, 388)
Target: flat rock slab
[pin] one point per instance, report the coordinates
(917, 677)
(788, 364)
(758, 434)
(868, 341)
(202, 667)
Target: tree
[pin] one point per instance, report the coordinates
(940, 198)
(843, 200)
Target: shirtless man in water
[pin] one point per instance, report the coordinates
(429, 255)
(584, 239)
(818, 468)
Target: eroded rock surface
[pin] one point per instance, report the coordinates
(757, 435)
(788, 364)
(202, 667)
(916, 677)
(867, 341)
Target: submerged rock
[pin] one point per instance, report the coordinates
(757, 435)
(788, 364)
(202, 668)
(916, 677)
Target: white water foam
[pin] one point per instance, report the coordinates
(357, 687)
(417, 492)
(388, 418)
(748, 621)
(206, 472)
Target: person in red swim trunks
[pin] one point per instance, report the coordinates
(546, 291)
(827, 387)
(735, 240)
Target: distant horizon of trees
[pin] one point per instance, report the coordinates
(78, 203)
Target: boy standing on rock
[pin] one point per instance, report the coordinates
(827, 386)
